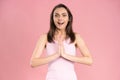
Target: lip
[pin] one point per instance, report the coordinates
(60, 23)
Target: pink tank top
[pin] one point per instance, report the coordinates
(61, 64)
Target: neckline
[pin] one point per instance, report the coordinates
(65, 40)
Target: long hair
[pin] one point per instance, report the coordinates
(69, 31)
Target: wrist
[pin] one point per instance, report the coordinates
(63, 55)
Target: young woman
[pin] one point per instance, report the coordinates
(61, 43)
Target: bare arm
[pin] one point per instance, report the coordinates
(36, 60)
(86, 56)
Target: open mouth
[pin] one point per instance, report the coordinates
(60, 23)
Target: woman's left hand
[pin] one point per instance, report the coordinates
(62, 50)
(60, 41)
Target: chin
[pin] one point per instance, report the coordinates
(60, 28)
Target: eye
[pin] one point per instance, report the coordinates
(64, 15)
(56, 15)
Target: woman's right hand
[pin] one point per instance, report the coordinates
(59, 52)
(60, 45)
(59, 40)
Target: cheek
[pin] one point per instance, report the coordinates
(55, 22)
(54, 19)
(66, 19)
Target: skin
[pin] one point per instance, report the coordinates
(60, 16)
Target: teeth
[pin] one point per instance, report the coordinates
(60, 23)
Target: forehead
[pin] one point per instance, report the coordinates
(60, 10)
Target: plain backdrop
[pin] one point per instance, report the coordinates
(23, 21)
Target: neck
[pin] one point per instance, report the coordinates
(61, 32)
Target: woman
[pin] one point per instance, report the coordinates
(61, 43)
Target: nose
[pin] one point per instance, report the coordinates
(60, 18)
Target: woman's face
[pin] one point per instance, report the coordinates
(60, 17)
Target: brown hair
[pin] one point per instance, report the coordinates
(69, 31)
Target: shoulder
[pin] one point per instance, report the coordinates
(77, 36)
(43, 37)
(78, 39)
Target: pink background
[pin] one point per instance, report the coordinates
(23, 21)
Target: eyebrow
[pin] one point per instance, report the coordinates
(62, 13)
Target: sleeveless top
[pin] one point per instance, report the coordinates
(60, 66)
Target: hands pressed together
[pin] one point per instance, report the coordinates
(61, 51)
(85, 59)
